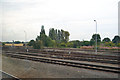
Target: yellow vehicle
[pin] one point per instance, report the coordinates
(14, 44)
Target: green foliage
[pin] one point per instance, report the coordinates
(86, 43)
(17, 42)
(69, 44)
(106, 40)
(66, 35)
(60, 38)
(118, 45)
(62, 45)
(53, 43)
(43, 40)
(38, 45)
(116, 39)
(42, 30)
(109, 44)
(3, 43)
(49, 42)
(93, 40)
(76, 43)
(31, 43)
(52, 34)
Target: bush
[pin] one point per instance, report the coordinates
(62, 45)
(118, 45)
(69, 44)
(109, 44)
(38, 45)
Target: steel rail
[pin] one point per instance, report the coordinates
(80, 58)
(67, 63)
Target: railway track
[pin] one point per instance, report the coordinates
(78, 49)
(75, 56)
(73, 53)
(64, 62)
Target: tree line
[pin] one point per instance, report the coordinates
(60, 38)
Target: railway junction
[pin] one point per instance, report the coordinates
(58, 63)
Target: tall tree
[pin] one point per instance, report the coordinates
(53, 34)
(116, 39)
(75, 43)
(66, 35)
(42, 36)
(38, 44)
(93, 40)
(56, 36)
(106, 39)
(59, 36)
(42, 30)
(62, 36)
(31, 43)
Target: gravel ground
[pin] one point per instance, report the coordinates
(30, 69)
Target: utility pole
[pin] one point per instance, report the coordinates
(96, 36)
(26, 41)
(25, 38)
(13, 43)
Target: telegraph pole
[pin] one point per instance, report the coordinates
(25, 40)
(96, 36)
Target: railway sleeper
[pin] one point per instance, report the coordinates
(74, 64)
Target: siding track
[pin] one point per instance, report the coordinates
(65, 62)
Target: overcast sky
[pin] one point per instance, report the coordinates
(75, 16)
